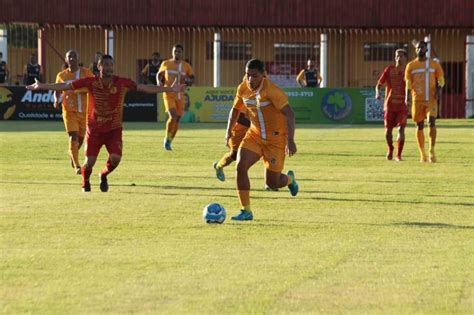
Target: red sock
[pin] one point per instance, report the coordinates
(86, 174)
(108, 168)
(400, 144)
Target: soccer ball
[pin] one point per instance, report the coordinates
(214, 213)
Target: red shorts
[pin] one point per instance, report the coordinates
(112, 141)
(394, 119)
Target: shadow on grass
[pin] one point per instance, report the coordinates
(432, 225)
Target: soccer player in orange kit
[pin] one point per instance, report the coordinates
(271, 134)
(171, 70)
(424, 80)
(104, 115)
(74, 106)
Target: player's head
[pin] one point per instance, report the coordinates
(106, 66)
(255, 72)
(97, 56)
(401, 56)
(33, 59)
(71, 58)
(178, 52)
(310, 63)
(155, 57)
(421, 48)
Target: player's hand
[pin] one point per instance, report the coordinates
(35, 86)
(290, 148)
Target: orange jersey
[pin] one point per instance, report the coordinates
(171, 71)
(422, 77)
(264, 109)
(74, 101)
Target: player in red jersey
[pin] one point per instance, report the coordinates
(395, 108)
(106, 94)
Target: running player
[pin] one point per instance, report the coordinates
(395, 108)
(424, 80)
(171, 70)
(74, 106)
(104, 115)
(271, 134)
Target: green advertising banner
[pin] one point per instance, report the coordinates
(311, 105)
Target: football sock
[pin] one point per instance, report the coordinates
(169, 127)
(400, 144)
(86, 174)
(420, 138)
(389, 139)
(432, 139)
(108, 168)
(226, 160)
(74, 152)
(244, 197)
(174, 129)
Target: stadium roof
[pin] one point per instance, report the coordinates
(245, 13)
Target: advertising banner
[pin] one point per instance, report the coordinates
(17, 103)
(311, 105)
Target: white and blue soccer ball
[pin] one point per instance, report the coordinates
(214, 213)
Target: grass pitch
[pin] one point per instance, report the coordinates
(364, 235)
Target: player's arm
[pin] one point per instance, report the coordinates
(49, 86)
(152, 89)
(144, 73)
(25, 74)
(408, 83)
(300, 80)
(290, 121)
(440, 82)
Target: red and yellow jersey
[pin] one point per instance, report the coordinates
(105, 102)
(422, 77)
(172, 70)
(74, 101)
(264, 109)
(394, 82)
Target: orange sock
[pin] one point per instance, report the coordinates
(420, 137)
(74, 152)
(225, 160)
(244, 197)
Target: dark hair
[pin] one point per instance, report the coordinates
(156, 54)
(255, 64)
(422, 42)
(104, 57)
(178, 46)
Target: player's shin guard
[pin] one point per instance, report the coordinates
(244, 197)
(420, 138)
(432, 143)
(400, 145)
(225, 160)
(74, 152)
(109, 167)
(86, 174)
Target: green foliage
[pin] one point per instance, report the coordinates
(364, 235)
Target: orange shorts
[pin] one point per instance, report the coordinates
(272, 152)
(75, 121)
(238, 134)
(422, 110)
(174, 102)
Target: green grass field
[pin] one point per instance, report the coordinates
(364, 235)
